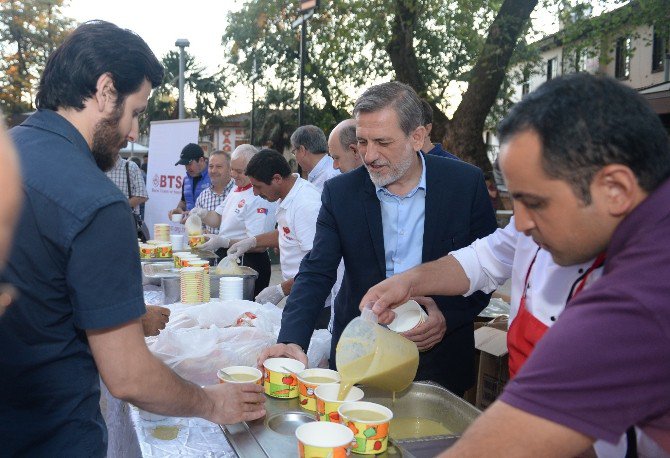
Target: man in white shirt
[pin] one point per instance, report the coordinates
(299, 204)
(241, 215)
(310, 147)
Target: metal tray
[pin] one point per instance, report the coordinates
(273, 436)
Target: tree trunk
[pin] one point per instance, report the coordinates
(467, 124)
(403, 59)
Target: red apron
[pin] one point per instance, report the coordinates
(526, 330)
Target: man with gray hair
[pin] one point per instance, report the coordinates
(310, 147)
(403, 208)
(241, 215)
(343, 147)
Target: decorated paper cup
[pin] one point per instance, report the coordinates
(327, 403)
(370, 424)
(319, 439)
(147, 251)
(195, 240)
(177, 255)
(308, 380)
(164, 250)
(240, 374)
(408, 316)
(188, 260)
(280, 383)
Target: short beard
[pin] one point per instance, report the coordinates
(107, 141)
(396, 171)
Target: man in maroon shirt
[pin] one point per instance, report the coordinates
(587, 162)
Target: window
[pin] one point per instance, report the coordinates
(622, 58)
(552, 68)
(659, 49)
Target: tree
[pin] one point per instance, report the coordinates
(29, 31)
(209, 93)
(432, 45)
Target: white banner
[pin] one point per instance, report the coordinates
(164, 179)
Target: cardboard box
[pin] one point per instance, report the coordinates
(493, 373)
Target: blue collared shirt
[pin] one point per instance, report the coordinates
(402, 222)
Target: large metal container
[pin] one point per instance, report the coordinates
(273, 436)
(249, 276)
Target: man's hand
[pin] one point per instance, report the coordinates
(428, 334)
(239, 248)
(390, 293)
(290, 350)
(273, 294)
(154, 320)
(235, 402)
(214, 242)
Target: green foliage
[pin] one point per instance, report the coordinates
(29, 31)
(209, 92)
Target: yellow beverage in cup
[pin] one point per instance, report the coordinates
(309, 380)
(240, 374)
(370, 424)
(279, 382)
(327, 402)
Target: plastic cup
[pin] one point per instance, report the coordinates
(327, 402)
(177, 241)
(308, 380)
(280, 383)
(323, 439)
(408, 316)
(176, 217)
(370, 424)
(244, 371)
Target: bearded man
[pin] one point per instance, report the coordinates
(403, 208)
(75, 263)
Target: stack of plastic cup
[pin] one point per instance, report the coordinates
(192, 285)
(162, 232)
(205, 265)
(230, 288)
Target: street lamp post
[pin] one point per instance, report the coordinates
(181, 44)
(306, 12)
(253, 79)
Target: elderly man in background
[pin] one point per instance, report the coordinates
(192, 157)
(299, 204)
(401, 209)
(310, 147)
(76, 265)
(219, 174)
(343, 147)
(241, 215)
(429, 147)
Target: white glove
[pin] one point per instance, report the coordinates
(201, 212)
(214, 242)
(237, 249)
(273, 294)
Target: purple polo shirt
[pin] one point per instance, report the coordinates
(605, 365)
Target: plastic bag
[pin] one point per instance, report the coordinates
(193, 225)
(228, 266)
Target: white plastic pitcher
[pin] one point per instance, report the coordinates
(370, 354)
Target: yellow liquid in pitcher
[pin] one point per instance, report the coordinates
(385, 375)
